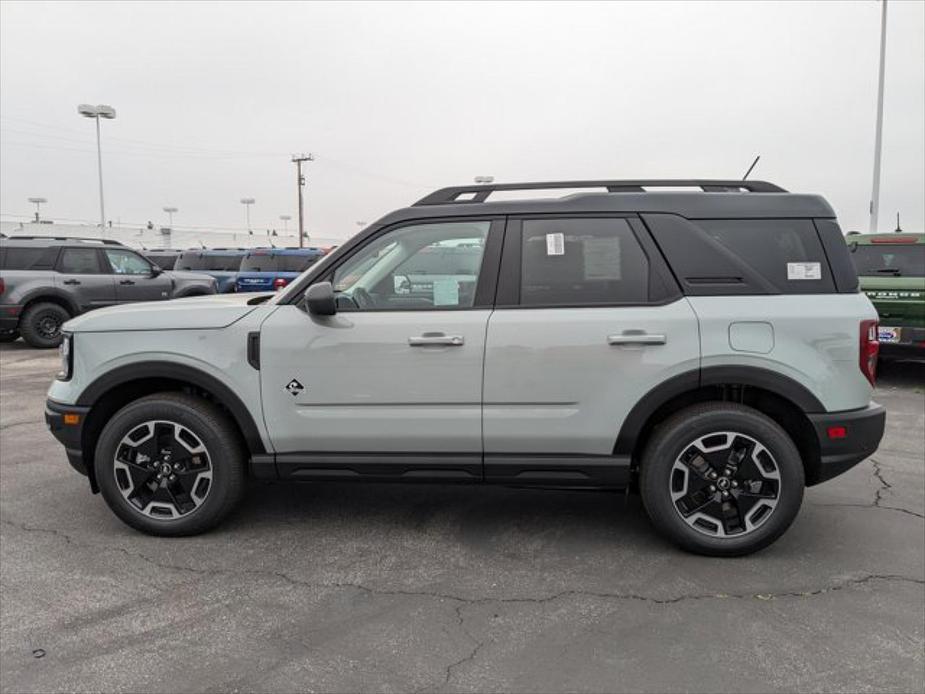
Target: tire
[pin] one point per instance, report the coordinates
(689, 452)
(40, 324)
(9, 336)
(126, 482)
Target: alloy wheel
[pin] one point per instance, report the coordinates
(163, 469)
(725, 484)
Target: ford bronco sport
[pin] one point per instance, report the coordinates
(710, 348)
(44, 281)
(891, 268)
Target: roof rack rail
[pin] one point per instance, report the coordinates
(479, 193)
(108, 242)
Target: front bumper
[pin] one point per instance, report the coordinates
(65, 422)
(846, 438)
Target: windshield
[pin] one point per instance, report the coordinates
(884, 260)
(271, 262)
(207, 261)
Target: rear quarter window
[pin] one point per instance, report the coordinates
(28, 258)
(785, 252)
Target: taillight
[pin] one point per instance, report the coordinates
(2, 286)
(870, 348)
(279, 283)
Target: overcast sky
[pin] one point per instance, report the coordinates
(397, 99)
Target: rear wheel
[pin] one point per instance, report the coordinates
(40, 324)
(721, 479)
(170, 464)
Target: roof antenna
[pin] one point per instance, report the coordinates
(751, 167)
(898, 229)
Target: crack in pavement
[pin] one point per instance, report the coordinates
(465, 601)
(878, 495)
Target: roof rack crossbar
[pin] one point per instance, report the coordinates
(480, 193)
(108, 242)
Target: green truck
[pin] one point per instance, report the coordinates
(891, 268)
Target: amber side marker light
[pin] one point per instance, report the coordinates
(72, 419)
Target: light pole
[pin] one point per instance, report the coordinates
(878, 136)
(170, 211)
(297, 159)
(247, 202)
(97, 112)
(38, 203)
(285, 218)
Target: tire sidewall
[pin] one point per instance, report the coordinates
(670, 440)
(28, 327)
(224, 456)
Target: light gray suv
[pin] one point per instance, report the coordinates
(44, 281)
(709, 348)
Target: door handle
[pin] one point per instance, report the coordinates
(126, 281)
(71, 282)
(436, 339)
(636, 338)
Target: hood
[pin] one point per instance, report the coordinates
(198, 312)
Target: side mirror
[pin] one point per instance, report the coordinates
(319, 299)
(156, 270)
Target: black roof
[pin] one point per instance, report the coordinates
(715, 199)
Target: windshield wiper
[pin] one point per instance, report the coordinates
(894, 270)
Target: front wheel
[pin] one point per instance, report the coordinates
(170, 464)
(721, 479)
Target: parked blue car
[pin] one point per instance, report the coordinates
(220, 263)
(271, 269)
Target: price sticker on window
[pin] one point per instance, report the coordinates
(804, 271)
(555, 244)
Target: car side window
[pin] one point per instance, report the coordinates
(581, 262)
(79, 261)
(416, 267)
(127, 263)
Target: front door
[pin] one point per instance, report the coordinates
(135, 279)
(586, 324)
(80, 273)
(391, 385)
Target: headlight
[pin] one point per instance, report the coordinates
(66, 351)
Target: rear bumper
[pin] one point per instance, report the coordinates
(9, 317)
(68, 434)
(911, 341)
(846, 438)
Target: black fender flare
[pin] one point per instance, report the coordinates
(178, 372)
(54, 295)
(768, 380)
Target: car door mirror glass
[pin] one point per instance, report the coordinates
(319, 299)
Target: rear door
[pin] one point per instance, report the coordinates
(81, 273)
(134, 277)
(587, 321)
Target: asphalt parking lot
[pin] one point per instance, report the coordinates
(342, 588)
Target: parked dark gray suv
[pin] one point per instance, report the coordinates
(44, 281)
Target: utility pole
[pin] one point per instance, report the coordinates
(300, 182)
(878, 139)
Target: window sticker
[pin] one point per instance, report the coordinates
(804, 271)
(555, 244)
(602, 258)
(446, 291)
